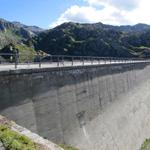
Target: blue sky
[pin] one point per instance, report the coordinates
(35, 12)
(50, 13)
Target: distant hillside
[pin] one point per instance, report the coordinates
(26, 53)
(96, 40)
(136, 28)
(12, 32)
(79, 39)
(33, 29)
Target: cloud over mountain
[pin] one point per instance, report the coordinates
(120, 4)
(116, 12)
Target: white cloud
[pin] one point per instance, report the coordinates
(115, 12)
(120, 4)
(88, 14)
(140, 14)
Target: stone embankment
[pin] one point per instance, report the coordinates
(41, 143)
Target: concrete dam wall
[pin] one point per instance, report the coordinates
(105, 107)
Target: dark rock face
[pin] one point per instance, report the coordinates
(6, 25)
(80, 39)
(95, 40)
(34, 29)
(12, 32)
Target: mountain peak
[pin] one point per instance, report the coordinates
(33, 29)
(13, 32)
(141, 24)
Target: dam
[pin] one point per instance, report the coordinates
(98, 107)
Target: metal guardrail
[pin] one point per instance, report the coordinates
(61, 60)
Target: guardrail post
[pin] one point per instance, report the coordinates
(63, 60)
(28, 60)
(16, 60)
(92, 60)
(110, 60)
(99, 61)
(83, 61)
(51, 59)
(105, 60)
(80, 58)
(72, 60)
(57, 61)
(39, 60)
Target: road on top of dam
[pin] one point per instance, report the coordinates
(11, 66)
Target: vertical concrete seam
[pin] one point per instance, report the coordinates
(59, 113)
(32, 100)
(113, 139)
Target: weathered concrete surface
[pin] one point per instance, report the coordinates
(93, 108)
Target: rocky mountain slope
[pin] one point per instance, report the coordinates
(96, 40)
(13, 32)
(32, 29)
(80, 39)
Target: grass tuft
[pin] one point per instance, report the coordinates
(146, 145)
(65, 147)
(11, 140)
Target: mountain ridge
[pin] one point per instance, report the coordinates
(86, 39)
(12, 33)
(94, 39)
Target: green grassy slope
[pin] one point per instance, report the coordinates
(11, 140)
(146, 145)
